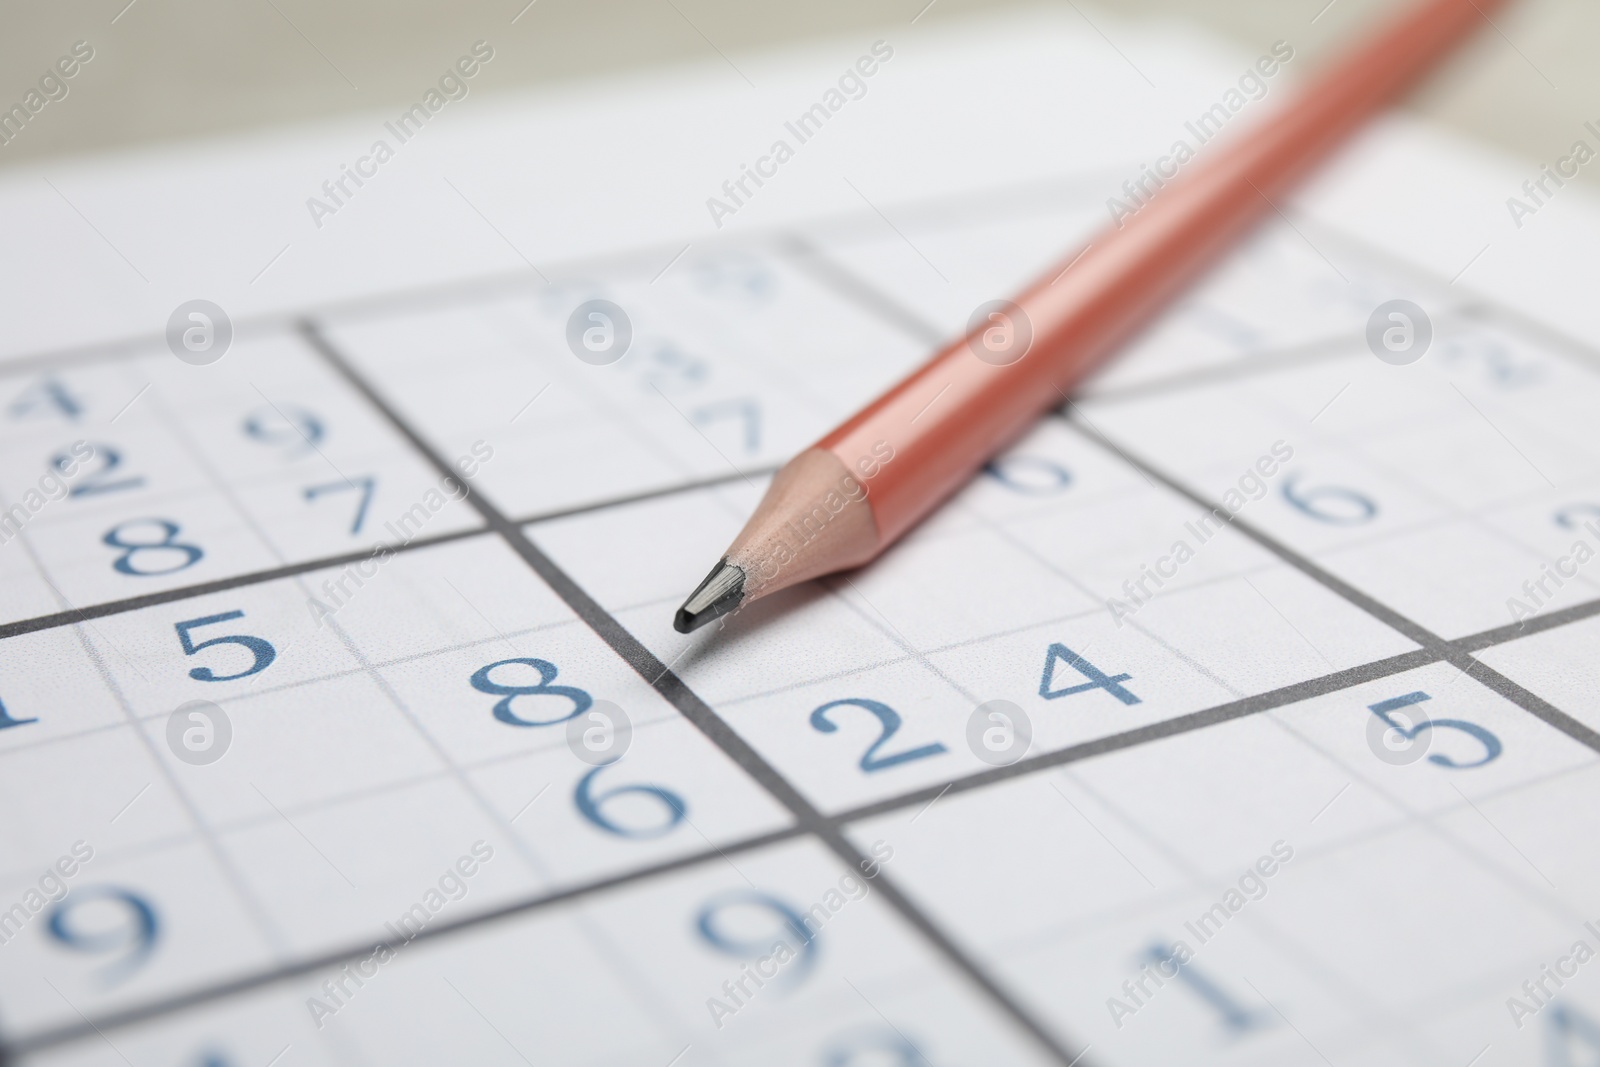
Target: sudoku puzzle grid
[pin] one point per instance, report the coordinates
(1210, 754)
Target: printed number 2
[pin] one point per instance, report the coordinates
(260, 648)
(890, 720)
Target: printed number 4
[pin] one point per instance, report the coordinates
(259, 648)
(1098, 679)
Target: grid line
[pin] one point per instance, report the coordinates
(809, 821)
(662, 679)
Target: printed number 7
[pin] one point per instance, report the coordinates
(260, 648)
(363, 484)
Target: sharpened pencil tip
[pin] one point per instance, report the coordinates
(720, 593)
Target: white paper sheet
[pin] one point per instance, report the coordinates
(817, 847)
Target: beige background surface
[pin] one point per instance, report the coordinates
(169, 70)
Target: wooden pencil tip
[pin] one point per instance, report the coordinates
(721, 592)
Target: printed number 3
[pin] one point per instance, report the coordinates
(890, 721)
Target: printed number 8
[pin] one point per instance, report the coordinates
(124, 564)
(581, 700)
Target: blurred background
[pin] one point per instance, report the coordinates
(177, 70)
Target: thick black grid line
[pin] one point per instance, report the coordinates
(1442, 649)
(1178, 726)
(290, 570)
(809, 821)
(801, 253)
(669, 685)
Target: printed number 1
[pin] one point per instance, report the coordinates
(1235, 1016)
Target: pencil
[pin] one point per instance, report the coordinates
(845, 499)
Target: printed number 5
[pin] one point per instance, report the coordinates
(1385, 710)
(260, 648)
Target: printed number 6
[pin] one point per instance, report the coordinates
(1315, 502)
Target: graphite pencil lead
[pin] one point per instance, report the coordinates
(721, 592)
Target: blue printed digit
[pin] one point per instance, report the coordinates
(1502, 369)
(1568, 516)
(1385, 709)
(364, 485)
(1236, 1018)
(748, 411)
(165, 548)
(889, 1047)
(132, 936)
(1568, 1030)
(889, 722)
(503, 708)
(261, 650)
(672, 370)
(792, 929)
(1331, 504)
(50, 394)
(6, 721)
(1029, 475)
(100, 479)
(1098, 679)
(295, 429)
(589, 806)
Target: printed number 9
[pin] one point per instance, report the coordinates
(791, 930)
(133, 935)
